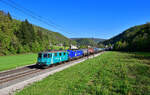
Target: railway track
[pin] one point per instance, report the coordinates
(7, 76)
(17, 75)
(5, 73)
(11, 75)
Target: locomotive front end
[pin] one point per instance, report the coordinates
(44, 59)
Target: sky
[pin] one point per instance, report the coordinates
(84, 18)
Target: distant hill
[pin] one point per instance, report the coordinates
(97, 40)
(21, 36)
(136, 38)
(87, 41)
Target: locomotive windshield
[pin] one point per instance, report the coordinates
(40, 55)
(49, 55)
(45, 55)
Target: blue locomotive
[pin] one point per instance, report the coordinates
(73, 54)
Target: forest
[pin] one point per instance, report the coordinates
(22, 37)
(136, 38)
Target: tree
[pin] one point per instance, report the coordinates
(101, 46)
(64, 45)
(9, 16)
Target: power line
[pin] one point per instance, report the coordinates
(32, 16)
(29, 13)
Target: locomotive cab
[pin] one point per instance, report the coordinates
(44, 59)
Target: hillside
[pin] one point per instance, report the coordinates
(136, 38)
(97, 40)
(21, 36)
(87, 41)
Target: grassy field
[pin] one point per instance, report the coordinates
(112, 73)
(10, 62)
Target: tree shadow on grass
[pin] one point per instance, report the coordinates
(144, 57)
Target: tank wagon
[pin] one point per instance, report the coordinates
(53, 57)
(85, 52)
(90, 50)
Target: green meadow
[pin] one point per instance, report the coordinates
(112, 73)
(14, 61)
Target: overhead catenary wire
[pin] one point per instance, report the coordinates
(32, 14)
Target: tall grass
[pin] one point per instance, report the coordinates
(112, 73)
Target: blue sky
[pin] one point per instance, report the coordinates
(86, 18)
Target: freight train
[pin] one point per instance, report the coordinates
(54, 57)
